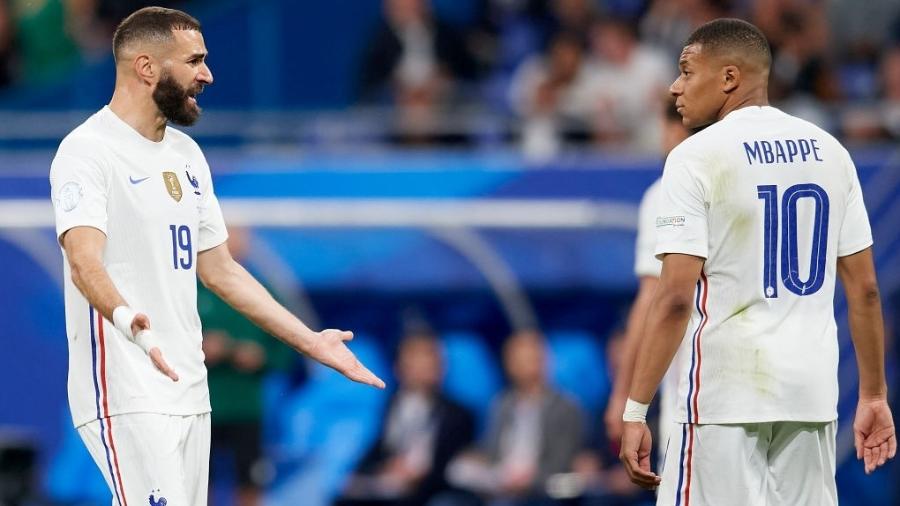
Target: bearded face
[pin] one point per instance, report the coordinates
(177, 103)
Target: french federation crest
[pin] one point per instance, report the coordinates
(173, 186)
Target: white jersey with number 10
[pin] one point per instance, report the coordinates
(770, 201)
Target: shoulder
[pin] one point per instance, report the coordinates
(652, 192)
(87, 140)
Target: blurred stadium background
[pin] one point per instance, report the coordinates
(469, 166)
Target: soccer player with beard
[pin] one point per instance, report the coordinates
(138, 221)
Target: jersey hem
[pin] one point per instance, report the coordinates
(187, 412)
(707, 420)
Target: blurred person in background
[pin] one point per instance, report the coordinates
(533, 434)
(6, 44)
(133, 249)
(50, 36)
(627, 81)
(552, 94)
(423, 430)
(889, 92)
(415, 60)
(238, 355)
(667, 23)
(647, 268)
(603, 480)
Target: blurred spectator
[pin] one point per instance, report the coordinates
(238, 355)
(668, 23)
(890, 90)
(422, 431)
(6, 49)
(627, 80)
(552, 94)
(534, 433)
(798, 33)
(48, 34)
(415, 59)
(573, 16)
(603, 478)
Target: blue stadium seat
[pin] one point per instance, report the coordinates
(578, 367)
(324, 428)
(473, 375)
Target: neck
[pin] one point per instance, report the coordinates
(757, 97)
(531, 390)
(138, 110)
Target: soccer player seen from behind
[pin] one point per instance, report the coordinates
(760, 213)
(138, 221)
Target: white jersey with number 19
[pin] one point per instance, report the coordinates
(770, 201)
(154, 201)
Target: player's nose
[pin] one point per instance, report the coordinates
(205, 76)
(675, 88)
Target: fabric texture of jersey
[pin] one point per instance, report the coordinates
(645, 261)
(770, 201)
(154, 201)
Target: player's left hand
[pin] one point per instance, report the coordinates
(329, 349)
(635, 454)
(873, 431)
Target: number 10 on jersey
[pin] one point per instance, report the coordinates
(790, 264)
(182, 249)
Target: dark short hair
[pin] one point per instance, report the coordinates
(154, 24)
(733, 35)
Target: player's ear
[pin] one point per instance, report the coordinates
(145, 68)
(731, 77)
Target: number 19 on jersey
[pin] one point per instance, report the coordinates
(182, 249)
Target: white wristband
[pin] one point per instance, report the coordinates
(635, 411)
(144, 339)
(123, 317)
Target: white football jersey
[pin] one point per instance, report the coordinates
(154, 201)
(645, 261)
(770, 201)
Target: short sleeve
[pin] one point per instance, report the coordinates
(645, 262)
(212, 223)
(682, 224)
(79, 193)
(856, 232)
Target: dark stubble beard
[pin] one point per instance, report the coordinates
(172, 101)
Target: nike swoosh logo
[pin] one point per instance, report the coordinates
(136, 181)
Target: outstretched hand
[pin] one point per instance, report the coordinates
(329, 349)
(873, 431)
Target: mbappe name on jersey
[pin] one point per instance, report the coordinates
(782, 151)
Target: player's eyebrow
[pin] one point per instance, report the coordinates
(197, 56)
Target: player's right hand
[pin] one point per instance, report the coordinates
(874, 435)
(329, 349)
(141, 323)
(635, 454)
